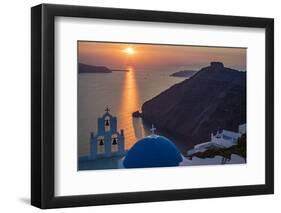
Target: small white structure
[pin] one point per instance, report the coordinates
(225, 138)
(220, 140)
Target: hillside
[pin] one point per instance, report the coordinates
(215, 97)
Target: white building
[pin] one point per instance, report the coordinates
(219, 140)
(225, 138)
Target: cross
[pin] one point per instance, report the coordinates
(107, 109)
(152, 129)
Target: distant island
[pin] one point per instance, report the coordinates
(85, 68)
(215, 97)
(184, 73)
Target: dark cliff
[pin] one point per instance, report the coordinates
(215, 97)
(85, 68)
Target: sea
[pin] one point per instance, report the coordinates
(123, 93)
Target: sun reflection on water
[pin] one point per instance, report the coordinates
(130, 103)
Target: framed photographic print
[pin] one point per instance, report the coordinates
(139, 106)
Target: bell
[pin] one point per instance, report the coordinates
(106, 122)
(114, 142)
(101, 143)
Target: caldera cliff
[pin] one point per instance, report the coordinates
(215, 97)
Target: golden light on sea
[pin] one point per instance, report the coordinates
(130, 103)
(129, 51)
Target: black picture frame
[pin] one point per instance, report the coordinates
(43, 102)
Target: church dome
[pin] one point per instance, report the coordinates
(153, 151)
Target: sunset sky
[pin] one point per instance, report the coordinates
(147, 56)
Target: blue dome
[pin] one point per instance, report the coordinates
(153, 151)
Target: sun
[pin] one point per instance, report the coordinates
(129, 51)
